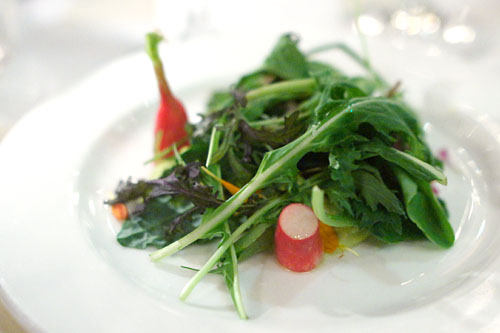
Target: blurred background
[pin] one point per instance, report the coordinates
(47, 46)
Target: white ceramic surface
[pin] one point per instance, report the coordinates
(62, 270)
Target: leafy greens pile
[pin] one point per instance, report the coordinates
(294, 130)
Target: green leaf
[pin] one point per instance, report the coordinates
(219, 101)
(375, 192)
(286, 61)
(153, 226)
(386, 233)
(411, 164)
(424, 209)
(236, 171)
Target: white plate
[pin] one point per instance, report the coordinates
(62, 270)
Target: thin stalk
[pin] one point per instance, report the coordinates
(238, 302)
(214, 142)
(236, 291)
(301, 86)
(224, 246)
(177, 155)
(362, 37)
(355, 56)
(224, 146)
(224, 211)
(166, 151)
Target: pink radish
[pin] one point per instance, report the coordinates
(297, 239)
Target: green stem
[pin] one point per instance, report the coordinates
(177, 155)
(355, 56)
(166, 151)
(362, 37)
(222, 149)
(238, 302)
(153, 39)
(214, 143)
(224, 246)
(290, 87)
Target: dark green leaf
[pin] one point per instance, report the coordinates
(292, 128)
(156, 226)
(128, 191)
(375, 192)
(386, 233)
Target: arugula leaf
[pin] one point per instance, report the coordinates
(368, 218)
(388, 234)
(342, 160)
(411, 164)
(425, 210)
(286, 61)
(375, 192)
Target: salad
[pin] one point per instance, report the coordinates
(296, 156)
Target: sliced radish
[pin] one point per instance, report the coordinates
(297, 239)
